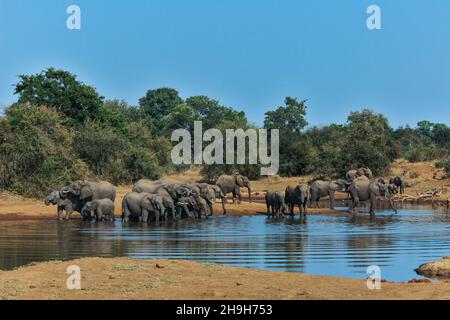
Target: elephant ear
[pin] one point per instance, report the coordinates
(86, 191)
(146, 203)
(156, 204)
(239, 180)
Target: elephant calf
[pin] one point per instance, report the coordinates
(398, 182)
(102, 208)
(275, 204)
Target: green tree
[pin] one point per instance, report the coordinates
(60, 90)
(35, 151)
(214, 115)
(369, 141)
(158, 103)
(290, 117)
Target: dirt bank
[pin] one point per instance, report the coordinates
(123, 278)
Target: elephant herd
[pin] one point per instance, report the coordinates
(359, 184)
(148, 200)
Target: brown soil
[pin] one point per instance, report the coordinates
(123, 278)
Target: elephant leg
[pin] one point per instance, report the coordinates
(373, 201)
(391, 202)
(332, 200)
(144, 215)
(224, 200)
(355, 203)
(211, 208)
(268, 209)
(59, 212)
(173, 213)
(126, 215)
(68, 213)
(157, 215)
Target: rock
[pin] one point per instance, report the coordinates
(419, 280)
(159, 266)
(435, 269)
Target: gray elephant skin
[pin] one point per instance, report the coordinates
(297, 195)
(370, 190)
(275, 204)
(102, 208)
(141, 206)
(398, 182)
(193, 206)
(87, 191)
(364, 171)
(68, 203)
(233, 184)
(320, 189)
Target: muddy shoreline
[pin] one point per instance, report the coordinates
(129, 279)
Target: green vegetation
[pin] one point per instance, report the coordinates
(61, 130)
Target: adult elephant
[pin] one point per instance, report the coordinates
(353, 174)
(398, 182)
(68, 203)
(210, 193)
(145, 185)
(87, 191)
(297, 195)
(139, 206)
(233, 184)
(370, 190)
(157, 187)
(320, 189)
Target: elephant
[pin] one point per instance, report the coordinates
(169, 207)
(156, 187)
(297, 195)
(275, 204)
(209, 193)
(370, 190)
(364, 171)
(193, 206)
(68, 203)
(145, 185)
(153, 206)
(102, 208)
(320, 188)
(398, 182)
(140, 205)
(233, 183)
(87, 191)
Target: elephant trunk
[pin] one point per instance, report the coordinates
(391, 202)
(249, 194)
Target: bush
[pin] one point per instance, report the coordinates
(35, 151)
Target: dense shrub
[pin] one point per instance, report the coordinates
(35, 151)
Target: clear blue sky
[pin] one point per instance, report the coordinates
(247, 54)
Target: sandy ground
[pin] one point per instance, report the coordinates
(123, 278)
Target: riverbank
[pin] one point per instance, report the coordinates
(124, 278)
(419, 178)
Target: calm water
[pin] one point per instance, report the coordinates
(324, 245)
